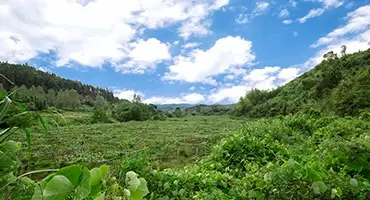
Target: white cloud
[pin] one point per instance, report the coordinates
(144, 55)
(263, 79)
(288, 21)
(295, 33)
(227, 54)
(44, 69)
(355, 34)
(311, 14)
(284, 13)
(126, 94)
(191, 45)
(357, 21)
(355, 44)
(227, 95)
(331, 3)
(270, 77)
(93, 32)
(327, 4)
(288, 74)
(261, 74)
(192, 98)
(261, 7)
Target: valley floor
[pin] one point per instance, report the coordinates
(171, 143)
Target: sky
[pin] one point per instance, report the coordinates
(180, 51)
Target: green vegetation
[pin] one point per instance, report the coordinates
(338, 85)
(173, 142)
(294, 157)
(29, 76)
(309, 139)
(71, 182)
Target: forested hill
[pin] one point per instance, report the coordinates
(337, 85)
(29, 76)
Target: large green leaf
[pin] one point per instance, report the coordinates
(319, 187)
(104, 171)
(137, 186)
(95, 182)
(8, 160)
(37, 194)
(79, 176)
(58, 188)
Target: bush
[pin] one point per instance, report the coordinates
(100, 115)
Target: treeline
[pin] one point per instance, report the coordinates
(29, 76)
(36, 98)
(338, 86)
(207, 110)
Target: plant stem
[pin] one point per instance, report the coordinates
(28, 173)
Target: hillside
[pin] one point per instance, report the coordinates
(337, 85)
(29, 76)
(210, 109)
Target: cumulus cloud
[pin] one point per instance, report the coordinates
(143, 55)
(357, 21)
(288, 74)
(94, 32)
(261, 74)
(126, 94)
(225, 56)
(228, 94)
(270, 77)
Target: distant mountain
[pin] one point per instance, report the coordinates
(171, 107)
(339, 85)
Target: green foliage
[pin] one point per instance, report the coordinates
(134, 111)
(295, 157)
(100, 115)
(337, 85)
(177, 113)
(71, 182)
(29, 76)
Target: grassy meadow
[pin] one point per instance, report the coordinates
(170, 143)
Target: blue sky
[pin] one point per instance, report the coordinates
(180, 51)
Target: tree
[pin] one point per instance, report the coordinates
(101, 103)
(343, 51)
(330, 55)
(136, 99)
(177, 112)
(51, 97)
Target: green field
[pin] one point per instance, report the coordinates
(169, 143)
